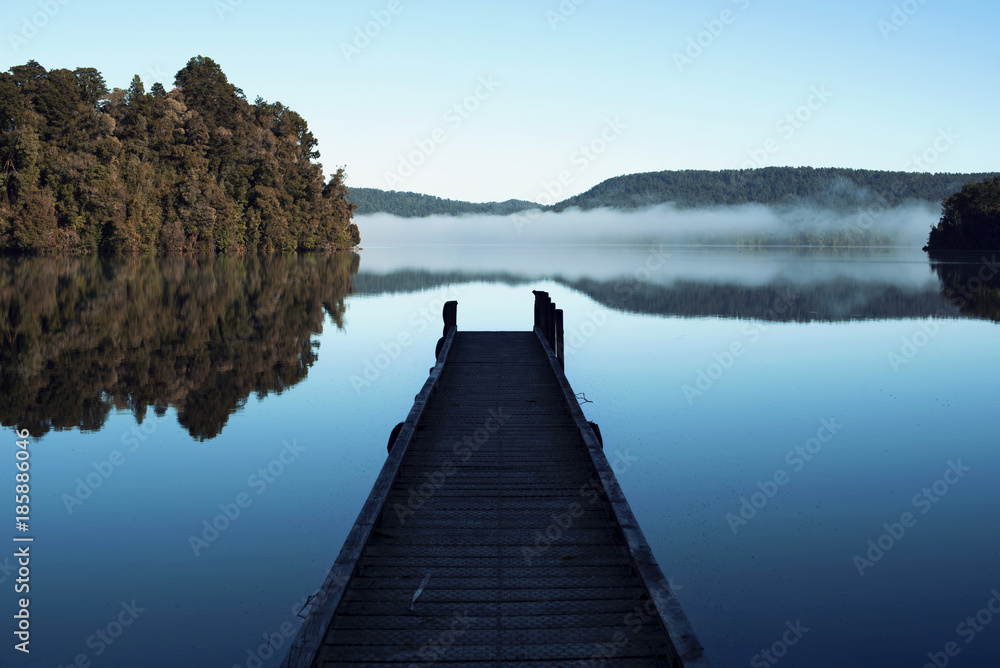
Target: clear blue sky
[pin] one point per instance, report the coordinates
(610, 75)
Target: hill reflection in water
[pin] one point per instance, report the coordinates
(807, 286)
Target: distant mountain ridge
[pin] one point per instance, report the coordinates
(832, 188)
(416, 205)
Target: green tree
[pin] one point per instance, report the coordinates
(92, 87)
(207, 90)
(970, 219)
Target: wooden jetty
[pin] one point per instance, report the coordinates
(496, 532)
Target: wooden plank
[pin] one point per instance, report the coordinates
(605, 620)
(511, 574)
(600, 661)
(505, 595)
(449, 609)
(496, 650)
(611, 579)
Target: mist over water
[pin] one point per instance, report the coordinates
(605, 244)
(665, 224)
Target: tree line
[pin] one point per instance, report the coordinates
(835, 189)
(85, 169)
(415, 205)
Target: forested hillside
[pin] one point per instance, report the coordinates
(842, 190)
(412, 205)
(829, 188)
(86, 169)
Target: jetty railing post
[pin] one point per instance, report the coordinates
(449, 314)
(558, 347)
(538, 307)
(543, 313)
(546, 314)
(550, 333)
(549, 320)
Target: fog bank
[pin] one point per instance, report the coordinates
(660, 225)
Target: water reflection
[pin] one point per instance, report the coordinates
(81, 337)
(787, 286)
(971, 283)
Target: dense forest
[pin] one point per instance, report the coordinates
(415, 205)
(970, 219)
(85, 336)
(841, 190)
(85, 169)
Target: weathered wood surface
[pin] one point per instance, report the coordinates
(307, 645)
(505, 511)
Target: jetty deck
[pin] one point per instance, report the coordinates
(496, 533)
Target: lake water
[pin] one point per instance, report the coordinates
(808, 439)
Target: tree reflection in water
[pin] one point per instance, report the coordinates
(80, 337)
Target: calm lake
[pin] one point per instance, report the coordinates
(808, 439)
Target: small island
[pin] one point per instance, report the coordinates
(85, 169)
(970, 219)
